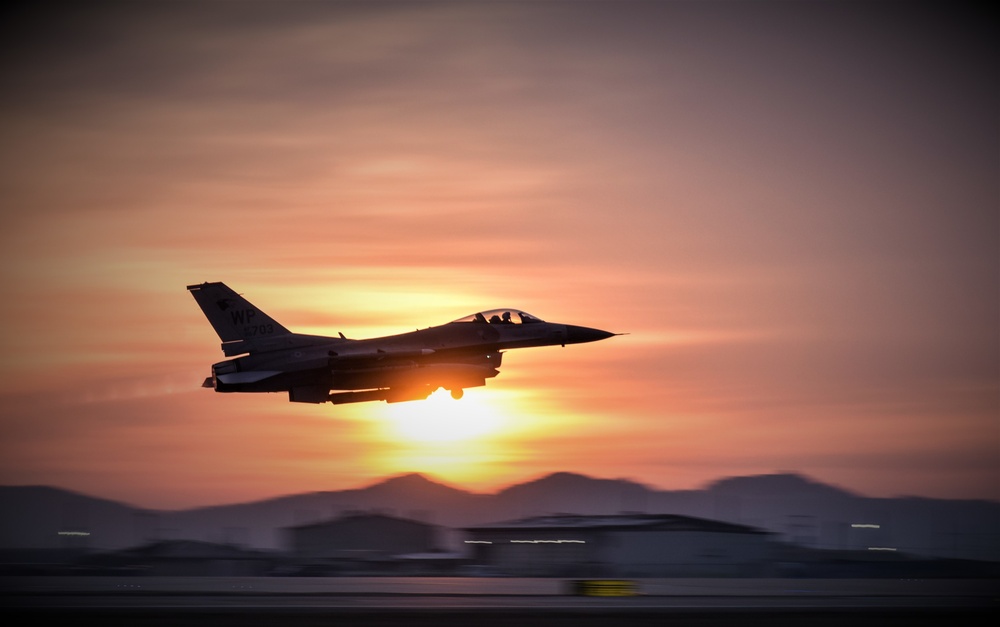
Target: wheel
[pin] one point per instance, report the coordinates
(457, 393)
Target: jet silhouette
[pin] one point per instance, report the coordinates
(405, 367)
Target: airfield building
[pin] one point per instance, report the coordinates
(362, 535)
(629, 545)
(367, 543)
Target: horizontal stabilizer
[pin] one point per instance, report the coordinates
(251, 376)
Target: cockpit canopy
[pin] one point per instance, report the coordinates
(501, 316)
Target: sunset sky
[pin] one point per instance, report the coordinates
(790, 207)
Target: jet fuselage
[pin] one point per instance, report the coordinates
(408, 366)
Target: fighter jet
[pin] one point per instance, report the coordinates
(405, 367)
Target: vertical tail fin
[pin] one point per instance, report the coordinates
(241, 326)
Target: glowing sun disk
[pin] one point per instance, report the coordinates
(441, 418)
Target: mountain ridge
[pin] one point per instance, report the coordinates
(411, 479)
(790, 505)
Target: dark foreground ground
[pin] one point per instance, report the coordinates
(521, 618)
(487, 602)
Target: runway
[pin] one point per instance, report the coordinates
(488, 601)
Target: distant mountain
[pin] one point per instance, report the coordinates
(792, 506)
(570, 493)
(44, 517)
(782, 484)
(415, 496)
(262, 524)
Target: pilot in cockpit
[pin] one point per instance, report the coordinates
(495, 319)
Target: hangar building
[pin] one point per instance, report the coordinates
(362, 541)
(627, 545)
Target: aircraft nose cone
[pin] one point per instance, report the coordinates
(579, 335)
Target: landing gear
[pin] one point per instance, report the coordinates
(457, 393)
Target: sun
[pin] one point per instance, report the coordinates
(467, 441)
(441, 419)
(456, 440)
